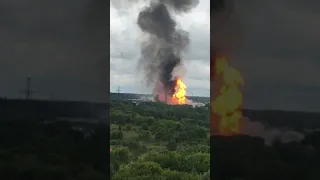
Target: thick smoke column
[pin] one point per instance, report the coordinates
(162, 52)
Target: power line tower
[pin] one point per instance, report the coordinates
(28, 91)
(118, 90)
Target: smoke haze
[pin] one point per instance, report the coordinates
(256, 128)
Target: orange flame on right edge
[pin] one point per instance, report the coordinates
(227, 102)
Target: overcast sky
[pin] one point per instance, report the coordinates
(62, 45)
(279, 54)
(125, 38)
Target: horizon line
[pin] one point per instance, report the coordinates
(151, 94)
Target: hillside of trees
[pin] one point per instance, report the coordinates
(248, 158)
(34, 150)
(251, 158)
(159, 141)
(154, 140)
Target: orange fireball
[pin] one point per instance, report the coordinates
(179, 97)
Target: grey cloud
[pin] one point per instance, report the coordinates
(122, 66)
(200, 45)
(279, 53)
(279, 29)
(63, 45)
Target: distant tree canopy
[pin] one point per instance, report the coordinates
(126, 96)
(55, 150)
(159, 141)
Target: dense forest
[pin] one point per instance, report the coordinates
(154, 140)
(157, 141)
(53, 150)
(250, 158)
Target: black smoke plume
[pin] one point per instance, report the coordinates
(162, 51)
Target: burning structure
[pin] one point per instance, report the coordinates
(163, 48)
(226, 97)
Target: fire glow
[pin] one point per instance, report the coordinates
(227, 100)
(176, 96)
(179, 97)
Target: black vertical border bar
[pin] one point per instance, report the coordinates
(216, 7)
(103, 25)
(108, 86)
(104, 77)
(214, 4)
(108, 89)
(103, 29)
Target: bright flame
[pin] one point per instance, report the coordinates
(179, 97)
(227, 104)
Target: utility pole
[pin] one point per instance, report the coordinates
(28, 91)
(118, 90)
